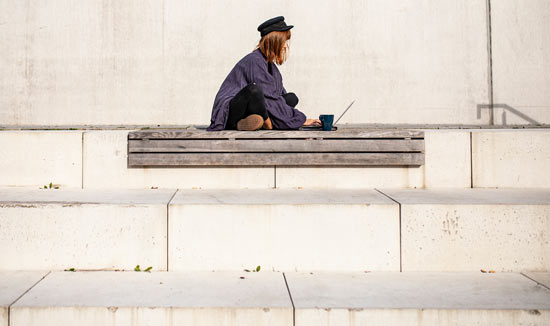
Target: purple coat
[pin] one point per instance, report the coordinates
(253, 69)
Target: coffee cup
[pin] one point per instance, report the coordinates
(327, 120)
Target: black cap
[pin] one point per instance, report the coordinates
(272, 25)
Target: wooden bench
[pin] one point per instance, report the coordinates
(173, 148)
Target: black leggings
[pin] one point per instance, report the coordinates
(250, 100)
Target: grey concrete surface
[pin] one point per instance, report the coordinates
(139, 299)
(470, 196)
(543, 278)
(280, 196)
(85, 196)
(159, 289)
(14, 283)
(410, 290)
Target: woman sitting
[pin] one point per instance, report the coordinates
(252, 96)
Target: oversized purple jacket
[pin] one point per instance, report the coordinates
(253, 69)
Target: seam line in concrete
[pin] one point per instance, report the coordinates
(490, 63)
(400, 244)
(82, 163)
(539, 283)
(168, 229)
(275, 176)
(19, 297)
(291, 301)
(471, 161)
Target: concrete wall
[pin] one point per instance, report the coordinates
(159, 62)
(521, 52)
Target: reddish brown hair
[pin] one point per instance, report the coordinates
(272, 46)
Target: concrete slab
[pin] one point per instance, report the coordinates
(448, 159)
(543, 278)
(349, 177)
(415, 290)
(470, 196)
(280, 197)
(36, 158)
(283, 230)
(83, 229)
(87, 196)
(520, 48)
(469, 230)
(417, 299)
(511, 159)
(123, 298)
(105, 166)
(12, 285)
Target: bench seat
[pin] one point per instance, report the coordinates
(173, 148)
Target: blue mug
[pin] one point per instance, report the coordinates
(327, 120)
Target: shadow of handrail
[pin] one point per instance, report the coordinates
(505, 107)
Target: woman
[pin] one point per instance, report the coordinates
(252, 96)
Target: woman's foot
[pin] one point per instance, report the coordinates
(250, 123)
(267, 124)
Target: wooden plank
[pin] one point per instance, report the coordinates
(281, 134)
(276, 145)
(255, 159)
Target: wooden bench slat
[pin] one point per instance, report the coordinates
(276, 145)
(281, 134)
(256, 159)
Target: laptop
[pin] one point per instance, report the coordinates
(334, 127)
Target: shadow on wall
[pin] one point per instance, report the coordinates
(505, 108)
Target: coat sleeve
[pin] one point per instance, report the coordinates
(282, 115)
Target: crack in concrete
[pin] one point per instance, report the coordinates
(9, 307)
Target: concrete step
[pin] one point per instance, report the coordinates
(273, 298)
(473, 229)
(277, 229)
(454, 159)
(160, 298)
(283, 230)
(410, 298)
(85, 229)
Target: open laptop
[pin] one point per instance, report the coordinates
(333, 125)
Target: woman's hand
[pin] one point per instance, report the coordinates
(312, 122)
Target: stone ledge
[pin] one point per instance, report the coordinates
(124, 298)
(342, 126)
(323, 299)
(270, 298)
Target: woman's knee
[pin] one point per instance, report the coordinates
(291, 99)
(255, 90)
